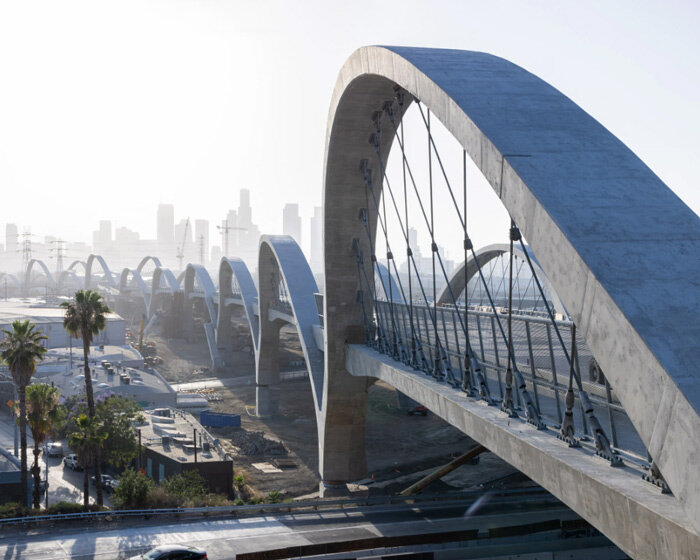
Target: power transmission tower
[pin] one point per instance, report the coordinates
(26, 248)
(59, 248)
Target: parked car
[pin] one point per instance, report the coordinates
(71, 461)
(109, 483)
(173, 552)
(54, 449)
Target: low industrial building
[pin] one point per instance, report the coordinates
(49, 319)
(173, 442)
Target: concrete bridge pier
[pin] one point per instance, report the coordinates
(341, 432)
(267, 366)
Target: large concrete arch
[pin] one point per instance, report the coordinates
(50, 282)
(455, 287)
(163, 284)
(105, 269)
(619, 247)
(234, 271)
(388, 285)
(282, 261)
(63, 278)
(199, 273)
(140, 284)
(75, 264)
(12, 279)
(146, 260)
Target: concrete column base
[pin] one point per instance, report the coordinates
(267, 399)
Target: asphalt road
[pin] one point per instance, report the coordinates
(225, 538)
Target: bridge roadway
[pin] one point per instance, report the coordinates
(479, 527)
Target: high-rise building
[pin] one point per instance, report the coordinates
(316, 240)
(11, 238)
(245, 212)
(291, 222)
(126, 239)
(166, 225)
(201, 240)
(102, 238)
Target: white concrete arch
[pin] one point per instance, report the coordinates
(388, 284)
(105, 269)
(75, 264)
(234, 270)
(199, 273)
(10, 279)
(617, 245)
(141, 285)
(50, 282)
(483, 256)
(64, 277)
(163, 285)
(145, 260)
(282, 261)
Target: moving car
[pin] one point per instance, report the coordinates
(173, 552)
(54, 449)
(71, 461)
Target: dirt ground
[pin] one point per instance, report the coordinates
(400, 448)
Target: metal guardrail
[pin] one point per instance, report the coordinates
(259, 508)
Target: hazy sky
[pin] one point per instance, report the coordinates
(107, 108)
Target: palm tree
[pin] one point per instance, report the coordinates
(21, 349)
(42, 406)
(85, 318)
(86, 441)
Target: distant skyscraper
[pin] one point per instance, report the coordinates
(245, 212)
(316, 240)
(102, 238)
(201, 240)
(166, 225)
(291, 222)
(11, 239)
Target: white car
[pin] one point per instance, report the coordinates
(71, 461)
(54, 449)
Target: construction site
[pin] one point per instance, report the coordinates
(279, 453)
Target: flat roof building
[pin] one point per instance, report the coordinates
(173, 442)
(49, 318)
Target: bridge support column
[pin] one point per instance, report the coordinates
(267, 369)
(341, 432)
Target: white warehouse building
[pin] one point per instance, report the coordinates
(49, 318)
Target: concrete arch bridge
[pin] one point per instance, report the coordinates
(609, 447)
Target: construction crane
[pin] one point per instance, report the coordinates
(181, 249)
(224, 229)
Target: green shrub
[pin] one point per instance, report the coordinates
(69, 507)
(133, 491)
(13, 509)
(187, 486)
(239, 481)
(274, 497)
